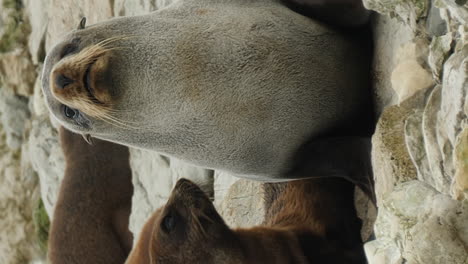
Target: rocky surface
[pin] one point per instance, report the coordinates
(19, 185)
(419, 148)
(419, 154)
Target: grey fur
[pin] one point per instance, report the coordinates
(236, 85)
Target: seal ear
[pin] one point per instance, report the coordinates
(82, 23)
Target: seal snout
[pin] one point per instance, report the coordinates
(81, 80)
(62, 81)
(188, 190)
(67, 84)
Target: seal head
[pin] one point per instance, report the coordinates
(231, 85)
(188, 219)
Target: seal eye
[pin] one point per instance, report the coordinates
(68, 49)
(168, 223)
(70, 112)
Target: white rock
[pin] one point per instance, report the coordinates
(458, 11)
(239, 201)
(47, 159)
(378, 252)
(39, 107)
(13, 115)
(425, 226)
(64, 16)
(36, 11)
(406, 11)
(459, 188)
(18, 194)
(17, 73)
(454, 92)
(421, 225)
(439, 52)
(391, 35)
(409, 76)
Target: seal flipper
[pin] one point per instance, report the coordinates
(338, 13)
(345, 157)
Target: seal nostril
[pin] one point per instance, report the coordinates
(62, 81)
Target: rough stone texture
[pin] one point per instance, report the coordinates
(431, 227)
(13, 115)
(459, 188)
(47, 159)
(419, 150)
(389, 36)
(132, 8)
(239, 201)
(406, 11)
(391, 161)
(456, 8)
(17, 72)
(19, 185)
(18, 193)
(409, 76)
(367, 212)
(36, 11)
(65, 16)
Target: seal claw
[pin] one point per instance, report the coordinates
(88, 139)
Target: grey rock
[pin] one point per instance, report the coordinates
(422, 225)
(439, 52)
(13, 115)
(37, 13)
(367, 212)
(19, 191)
(406, 11)
(415, 142)
(435, 25)
(65, 16)
(391, 160)
(38, 106)
(132, 8)
(421, 136)
(409, 76)
(239, 201)
(46, 157)
(391, 36)
(17, 72)
(458, 9)
(459, 188)
(454, 91)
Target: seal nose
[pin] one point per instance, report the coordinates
(61, 81)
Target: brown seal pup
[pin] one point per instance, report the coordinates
(90, 223)
(307, 221)
(234, 85)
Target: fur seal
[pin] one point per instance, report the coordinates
(90, 223)
(307, 221)
(234, 85)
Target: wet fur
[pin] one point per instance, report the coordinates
(307, 221)
(90, 222)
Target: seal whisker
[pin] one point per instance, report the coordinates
(198, 226)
